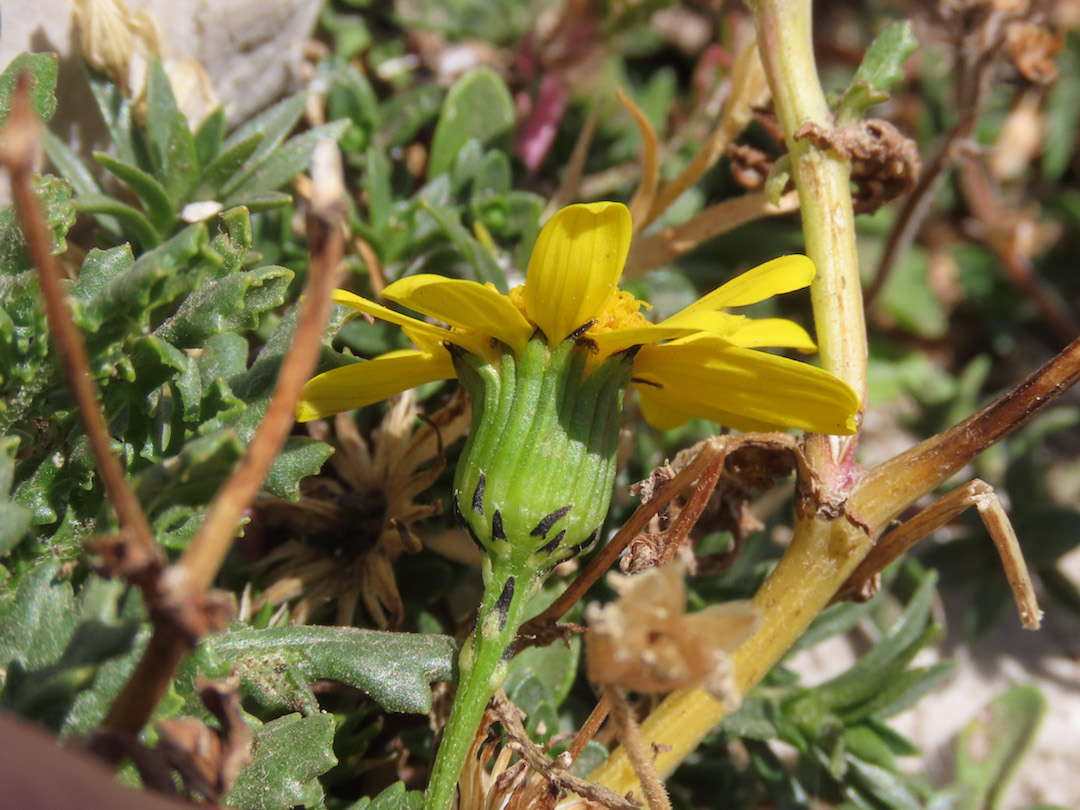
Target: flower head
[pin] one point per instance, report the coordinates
(546, 369)
(699, 362)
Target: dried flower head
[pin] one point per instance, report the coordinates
(646, 642)
(347, 530)
(121, 45)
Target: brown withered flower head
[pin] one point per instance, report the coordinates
(511, 772)
(341, 539)
(645, 641)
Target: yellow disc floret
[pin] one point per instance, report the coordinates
(622, 311)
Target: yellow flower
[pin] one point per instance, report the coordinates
(546, 368)
(699, 362)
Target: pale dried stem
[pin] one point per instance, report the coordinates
(749, 88)
(975, 493)
(664, 246)
(570, 187)
(607, 182)
(828, 551)
(823, 180)
(642, 202)
(638, 751)
(21, 142)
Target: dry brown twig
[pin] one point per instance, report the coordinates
(19, 146)
(200, 561)
(554, 772)
(180, 605)
(862, 584)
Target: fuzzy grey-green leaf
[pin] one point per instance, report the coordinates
(396, 669)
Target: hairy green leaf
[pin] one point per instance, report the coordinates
(992, 745)
(478, 107)
(396, 669)
(288, 756)
(43, 69)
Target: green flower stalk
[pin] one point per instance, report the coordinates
(546, 368)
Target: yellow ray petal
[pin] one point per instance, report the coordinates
(716, 323)
(781, 275)
(753, 333)
(711, 376)
(464, 304)
(361, 304)
(663, 409)
(360, 384)
(756, 333)
(608, 343)
(421, 333)
(575, 266)
(658, 406)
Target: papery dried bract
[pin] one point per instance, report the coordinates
(646, 642)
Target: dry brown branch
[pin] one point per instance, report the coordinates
(657, 550)
(553, 771)
(975, 493)
(193, 573)
(637, 752)
(885, 491)
(19, 145)
(749, 89)
(664, 246)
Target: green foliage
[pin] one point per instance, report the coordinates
(42, 69)
(165, 347)
(288, 756)
(992, 746)
(276, 665)
(56, 645)
(394, 797)
(880, 71)
(168, 167)
(478, 108)
(846, 751)
(187, 324)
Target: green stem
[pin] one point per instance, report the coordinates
(824, 550)
(482, 668)
(823, 180)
